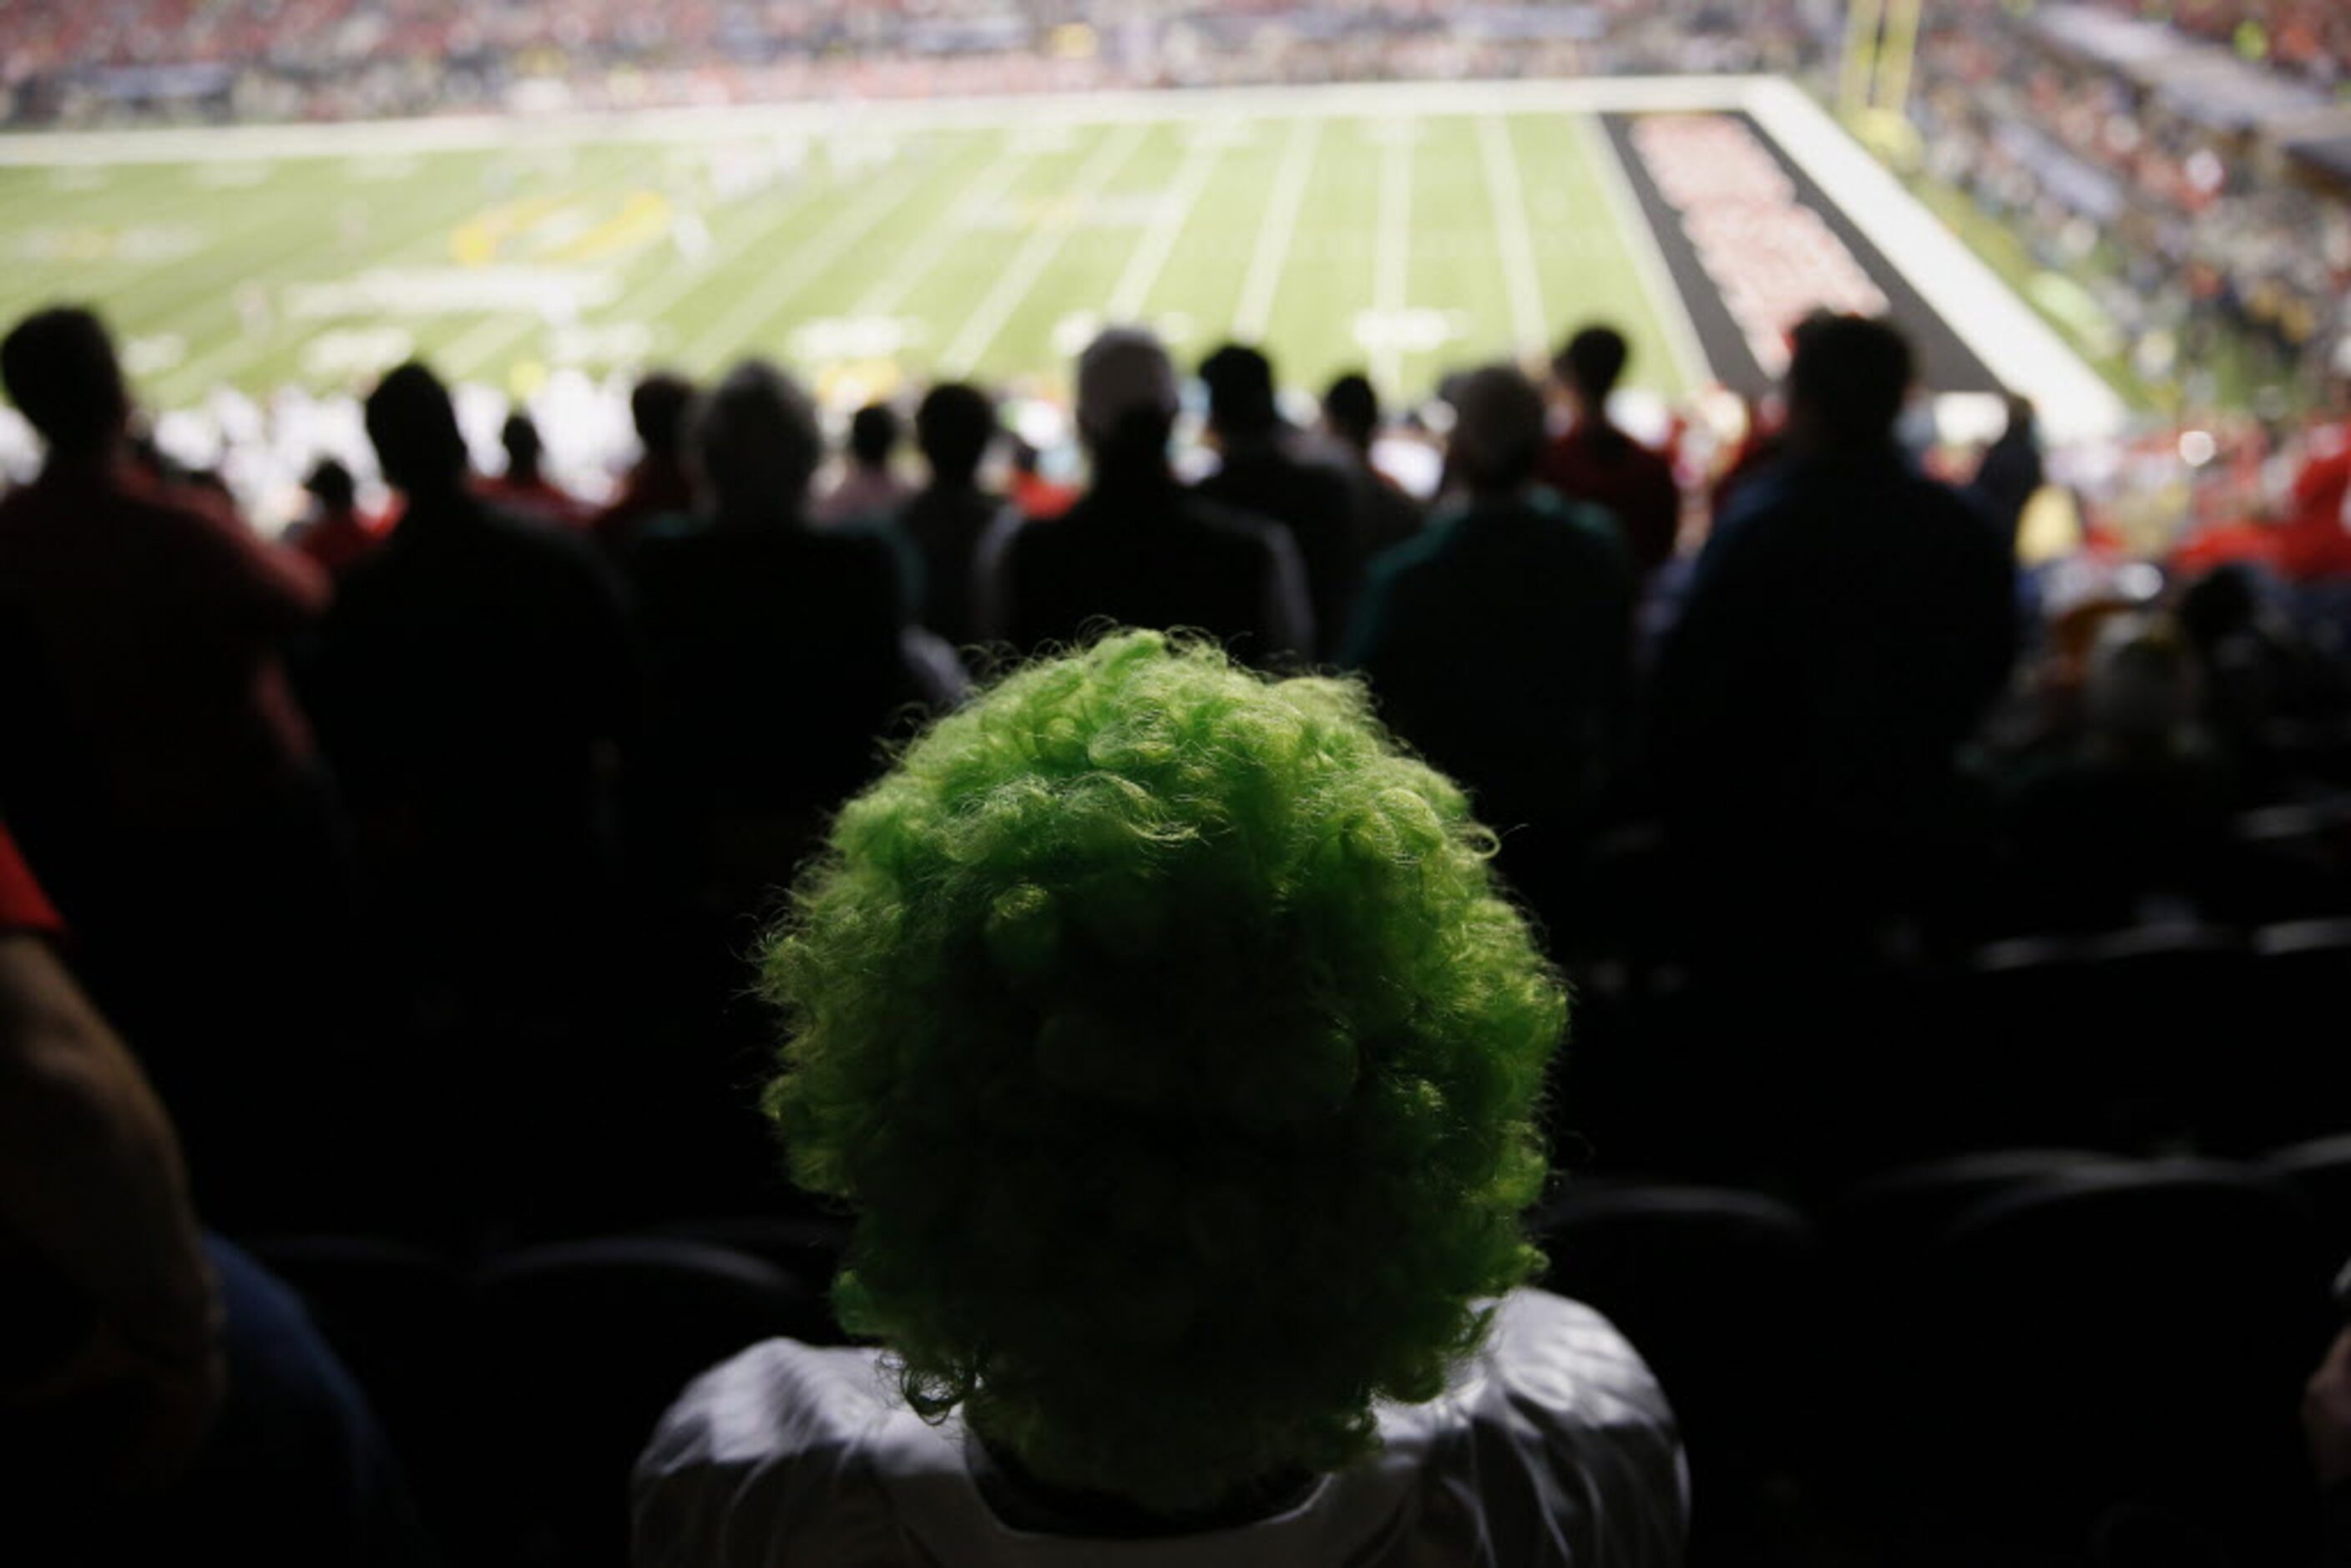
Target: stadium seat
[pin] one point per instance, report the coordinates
(2101, 1337)
(2320, 1171)
(582, 1347)
(395, 1316)
(2106, 1040)
(1718, 1290)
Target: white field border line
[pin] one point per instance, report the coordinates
(477, 132)
(732, 333)
(1507, 195)
(1391, 261)
(915, 262)
(1255, 311)
(2016, 345)
(1169, 218)
(1665, 302)
(1013, 285)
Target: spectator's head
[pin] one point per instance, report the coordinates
(1170, 1035)
(520, 438)
(1127, 399)
(954, 425)
(1351, 410)
(1592, 364)
(2141, 688)
(331, 486)
(1498, 431)
(2021, 415)
(414, 428)
(1848, 378)
(756, 441)
(1240, 393)
(658, 406)
(873, 436)
(62, 375)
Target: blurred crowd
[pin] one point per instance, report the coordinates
(170, 61)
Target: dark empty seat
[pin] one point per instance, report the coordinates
(2108, 1039)
(582, 1347)
(395, 1316)
(2101, 1337)
(1718, 1289)
(2320, 1171)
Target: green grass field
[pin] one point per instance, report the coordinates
(1401, 243)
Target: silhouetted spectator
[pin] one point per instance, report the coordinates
(659, 484)
(1499, 641)
(1386, 513)
(524, 489)
(1268, 468)
(2137, 806)
(475, 683)
(748, 610)
(1595, 461)
(949, 519)
(870, 490)
(158, 772)
(1138, 548)
(160, 1395)
(1036, 496)
(2012, 471)
(336, 533)
(1846, 628)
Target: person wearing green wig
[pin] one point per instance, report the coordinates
(1170, 1037)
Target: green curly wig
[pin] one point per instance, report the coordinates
(1168, 1032)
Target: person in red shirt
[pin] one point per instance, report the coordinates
(1595, 461)
(158, 616)
(524, 489)
(2316, 541)
(659, 484)
(337, 534)
(158, 773)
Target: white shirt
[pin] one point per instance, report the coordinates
(1553, 1445)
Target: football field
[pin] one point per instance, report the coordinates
(1404, 231)
(1399, 243)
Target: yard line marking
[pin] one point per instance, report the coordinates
(978, 199)
(733, 333)
(1507, 195)
(1392, 259)
(1167, 220)
(1256, 308)
(1013, 285)
(1665, 302)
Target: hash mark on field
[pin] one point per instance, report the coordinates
(1256, 309)
(979, 200)
(1507, 197)
(1013, 285)
(1167, 221)
(1392, 258)
(732, 333)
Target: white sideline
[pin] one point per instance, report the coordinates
(1666, 301)
(1507, 194)
(2017, 345)
(472, 132)
(1029, 264)
(1255, 312)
